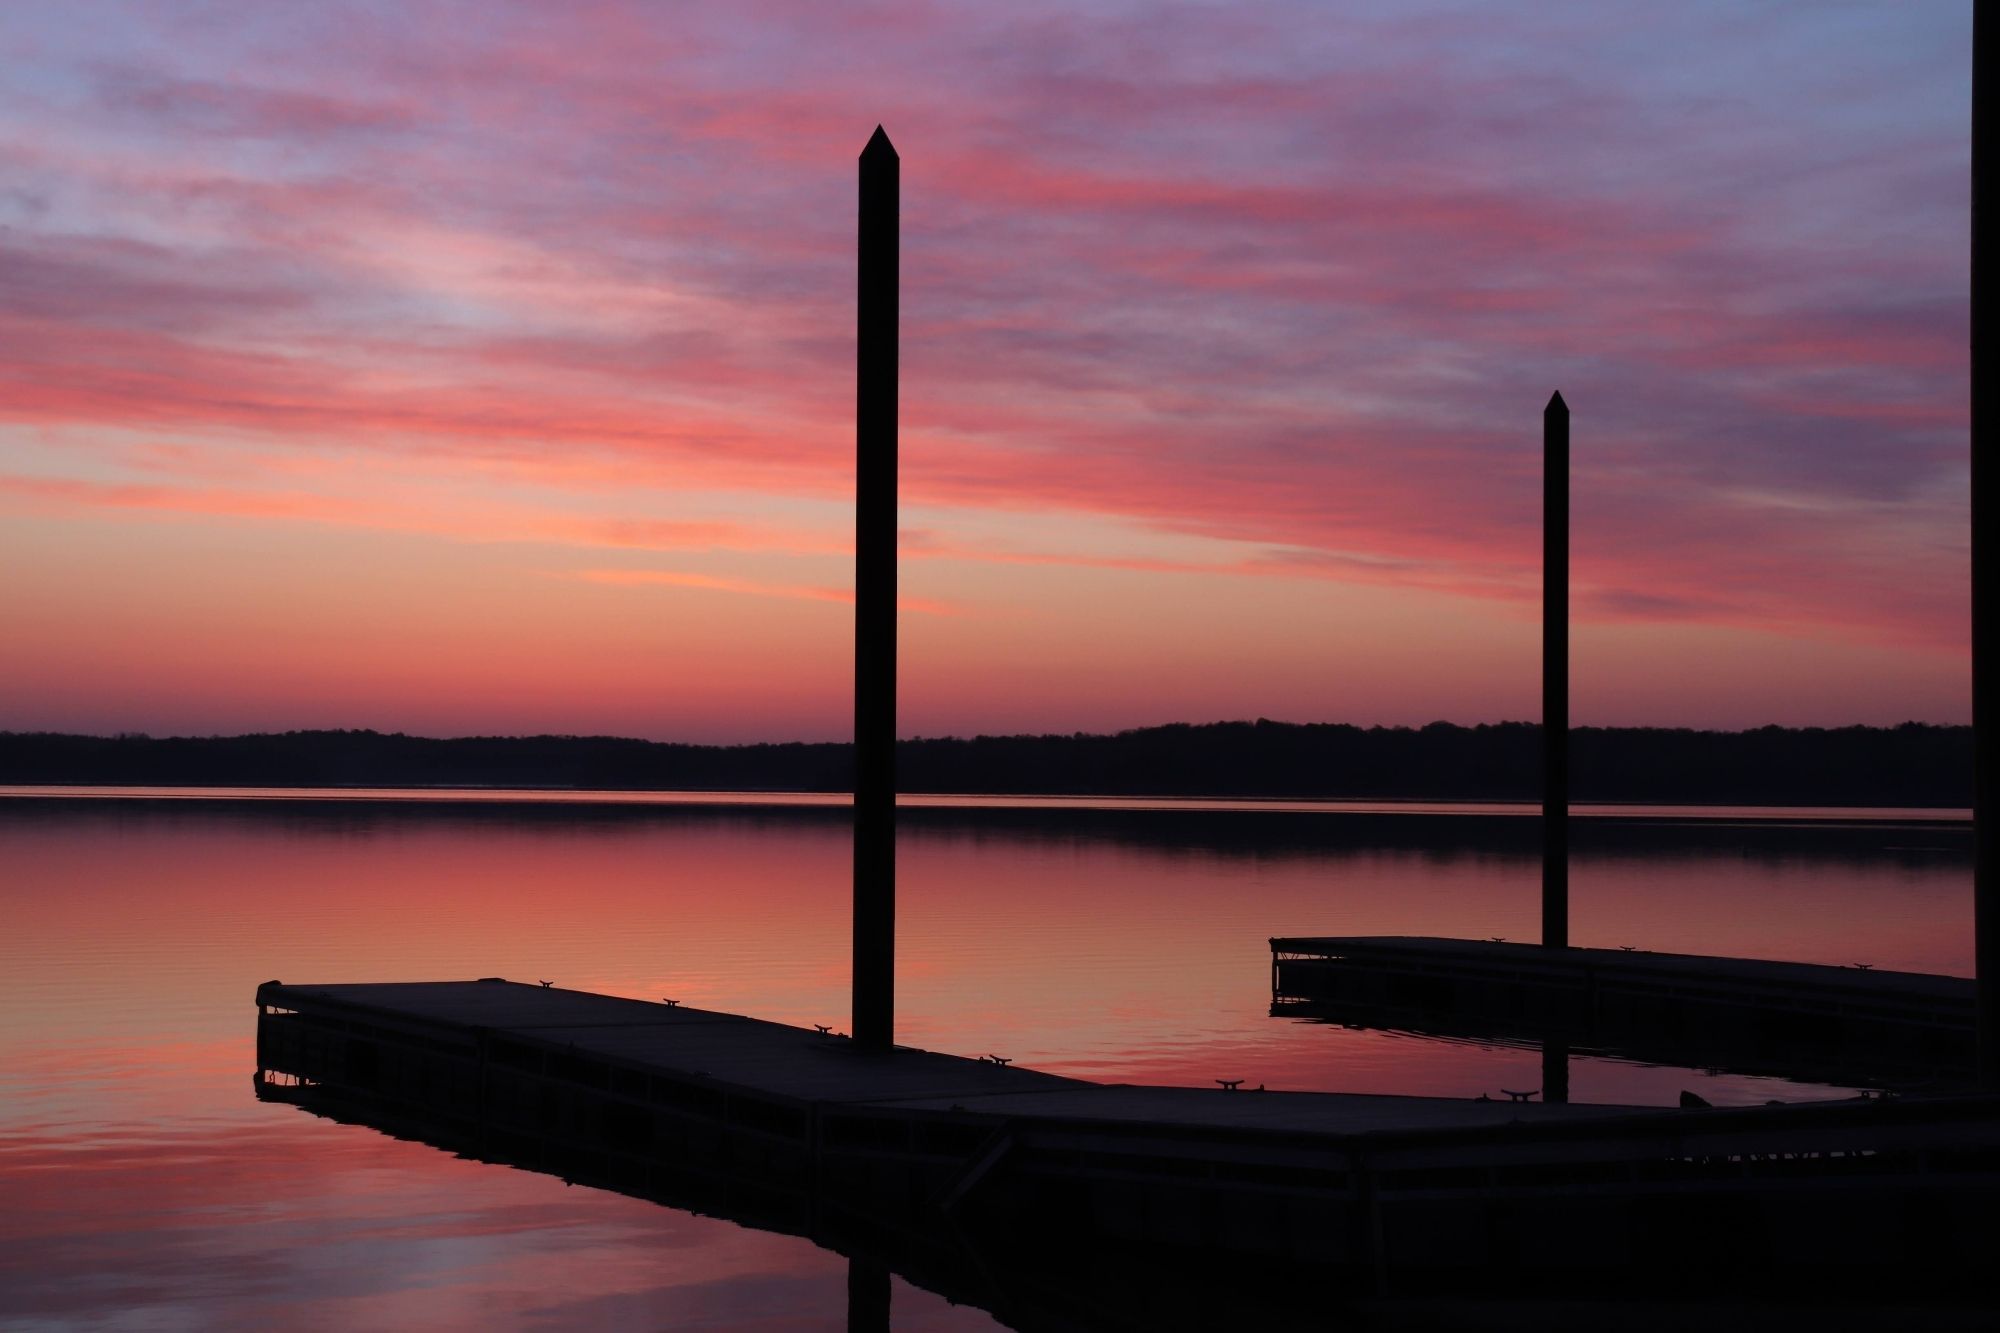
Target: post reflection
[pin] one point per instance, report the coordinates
(867, 1296)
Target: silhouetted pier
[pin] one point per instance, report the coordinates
(1386, 1190)
(1852, 1025)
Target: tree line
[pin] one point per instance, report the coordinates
(1913, 764)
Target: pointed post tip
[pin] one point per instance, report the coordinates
(1556, 403)
(878, 144)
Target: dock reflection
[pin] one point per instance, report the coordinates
(1022, 1282)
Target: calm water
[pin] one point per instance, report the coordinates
(145, 1188)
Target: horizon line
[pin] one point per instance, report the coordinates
(135, 735)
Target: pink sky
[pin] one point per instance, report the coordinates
(458, 368)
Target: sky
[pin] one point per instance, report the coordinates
(488, 367)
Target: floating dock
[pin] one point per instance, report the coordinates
(1861, 1027)
(1384, 1193)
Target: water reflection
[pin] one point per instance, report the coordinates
(1927, 1061)
(1122, 945)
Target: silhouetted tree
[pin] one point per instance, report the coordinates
(1913, 764)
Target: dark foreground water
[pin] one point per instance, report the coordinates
(143, 1187)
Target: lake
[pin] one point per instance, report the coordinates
(146, 1187)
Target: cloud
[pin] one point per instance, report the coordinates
(210, 106)
(639, 578)
(1296, 281)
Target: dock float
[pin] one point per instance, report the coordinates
(1861, 1027)
(1385, 1191)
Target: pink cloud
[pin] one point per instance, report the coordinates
(1298, 287)
(667, 578)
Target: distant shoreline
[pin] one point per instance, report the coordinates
(1910, 767)
(449, 795)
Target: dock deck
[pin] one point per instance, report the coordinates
(800, 1123)
(1845, 1025)
(807, 1071)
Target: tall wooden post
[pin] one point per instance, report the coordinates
(875, 598)
(1985, 708)
(1555, 673)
